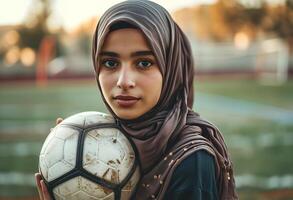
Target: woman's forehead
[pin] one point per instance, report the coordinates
(125, 39)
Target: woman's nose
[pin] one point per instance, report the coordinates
(125, 78)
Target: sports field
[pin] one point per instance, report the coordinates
(256, 120)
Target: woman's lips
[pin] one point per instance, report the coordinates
(126, 101)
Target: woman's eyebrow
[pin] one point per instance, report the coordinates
(109, 53)
(142, 53)
(135, 54)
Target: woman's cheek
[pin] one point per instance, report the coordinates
(105, 84)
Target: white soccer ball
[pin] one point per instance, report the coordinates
(87, 156)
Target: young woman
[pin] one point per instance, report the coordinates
(144, 69)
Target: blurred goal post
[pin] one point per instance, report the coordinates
(272, 62)
(266, 60)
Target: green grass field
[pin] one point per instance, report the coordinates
(256, 120)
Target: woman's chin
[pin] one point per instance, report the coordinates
(127, 116)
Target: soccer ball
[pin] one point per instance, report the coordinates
(87, 156)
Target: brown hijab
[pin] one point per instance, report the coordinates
(171, 131)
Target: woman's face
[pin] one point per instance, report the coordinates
(129, 75)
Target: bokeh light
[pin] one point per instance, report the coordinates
(27, 56)
(11, 37)
(12, 55)
(241, 41)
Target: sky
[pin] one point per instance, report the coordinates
(70, 13)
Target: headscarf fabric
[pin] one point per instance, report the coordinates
(171, 131)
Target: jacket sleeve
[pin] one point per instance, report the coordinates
(194, 179)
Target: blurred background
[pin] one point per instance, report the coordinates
(243, 83)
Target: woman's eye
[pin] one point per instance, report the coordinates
(144, 64)
(110, 63)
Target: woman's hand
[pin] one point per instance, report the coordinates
(42, 188)
(59, 120)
